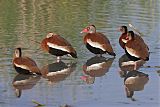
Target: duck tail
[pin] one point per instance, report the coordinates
(74, 55)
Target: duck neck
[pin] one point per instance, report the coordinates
(125, 30)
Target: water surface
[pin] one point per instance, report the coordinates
(24, 21)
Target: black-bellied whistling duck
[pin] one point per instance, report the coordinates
(135, 49)
(124, 30)
(135, 81)
(96, 42)
(24, 65)
(58, 46)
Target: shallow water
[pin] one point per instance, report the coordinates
(23, 21)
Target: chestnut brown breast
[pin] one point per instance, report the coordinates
(123, 36)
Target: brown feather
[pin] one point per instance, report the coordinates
(57, 40)
(44, 45)
(28, 63)
(138, 48)
(100, 38)
(137, 38)
(123, 36)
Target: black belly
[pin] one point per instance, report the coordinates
(131, 57)
(57, 52)
(95, 50)
(21, 70)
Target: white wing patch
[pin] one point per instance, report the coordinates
(131, 52)
(22, 66)
(95, 66)
(95, 44)
(63, 48)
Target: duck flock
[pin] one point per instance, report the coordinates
(97, 43)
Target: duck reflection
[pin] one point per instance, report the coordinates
(126, 64)
(96, 67)
(57, 71)
(135, 81)
(24, 82)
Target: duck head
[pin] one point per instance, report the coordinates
(123, 29)
(17, 52)
(129, 37)
(89, 29)
(50, 34)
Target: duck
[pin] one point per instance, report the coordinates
(96, 42)
(23, 64)
(58, 46)
(123, 29)
(134, 49)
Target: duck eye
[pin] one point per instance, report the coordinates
(16, 51)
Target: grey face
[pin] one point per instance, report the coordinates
(18, 52)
